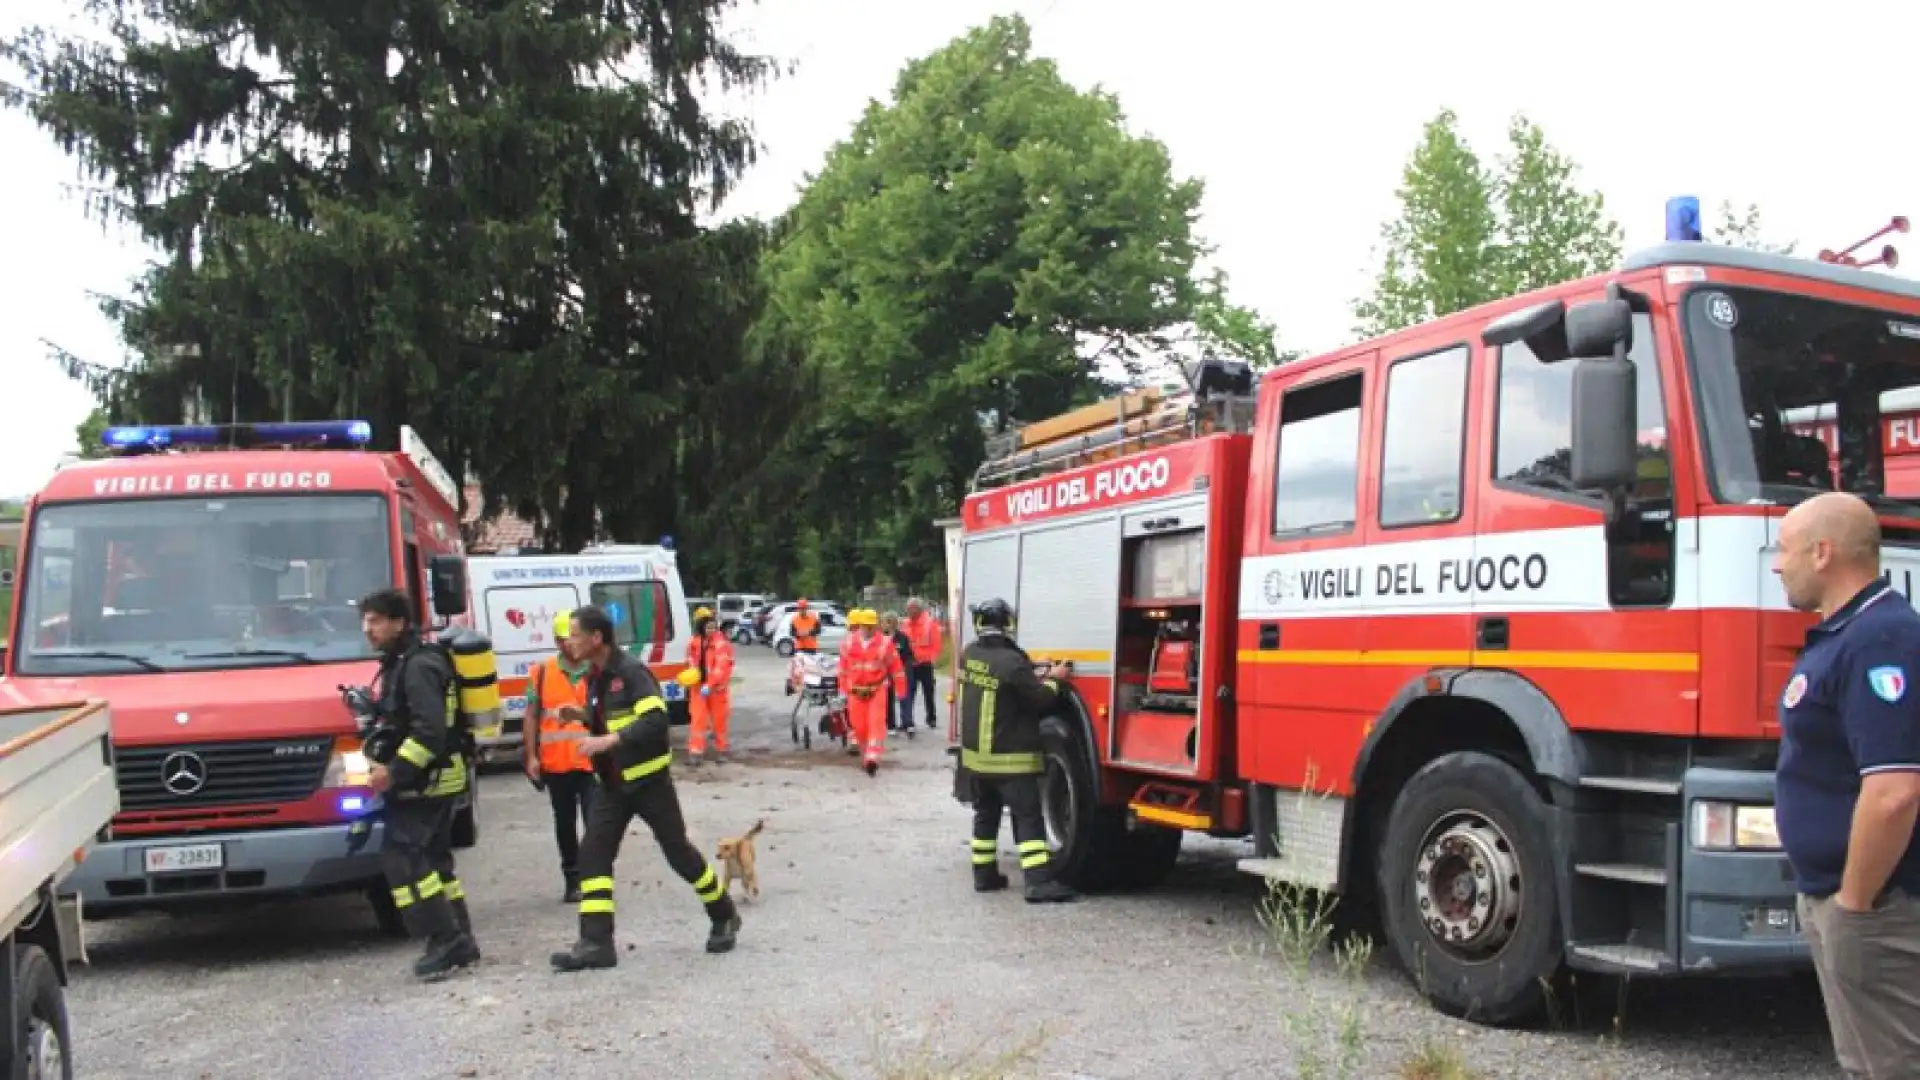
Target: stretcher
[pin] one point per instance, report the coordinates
(814, 681)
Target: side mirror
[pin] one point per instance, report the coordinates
(1606, 450)
(447, 578)
(1600, 328)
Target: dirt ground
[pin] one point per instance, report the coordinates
(867, 954)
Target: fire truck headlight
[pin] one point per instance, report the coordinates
(348, 768)
(1725, 826)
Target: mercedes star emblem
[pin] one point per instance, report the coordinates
(183, 773)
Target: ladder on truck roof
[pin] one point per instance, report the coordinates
(1219, 397)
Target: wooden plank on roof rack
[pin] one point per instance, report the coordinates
(1087, 418)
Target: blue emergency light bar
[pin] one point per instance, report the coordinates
(321, 433)
(1683, 219)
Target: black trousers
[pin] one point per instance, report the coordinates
(654, 801)
(1019, 795)
(919, 681)
(571, 794)
(417, 858)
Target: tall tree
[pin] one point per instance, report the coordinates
(445, 214)
(1743, 228)
(1466, 234)
(88, 433)
(1436, 254)
(943, 266)
(1550, 230)
(1223, 328)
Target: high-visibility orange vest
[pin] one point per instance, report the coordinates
(868, 663)
(560, 741)
(923, 634)
(806, 628)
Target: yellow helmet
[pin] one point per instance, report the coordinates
(702, 613)
(562, 625)
(688, 677)
(864, 617)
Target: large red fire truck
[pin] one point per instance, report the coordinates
(204, 579)
(1476, 620)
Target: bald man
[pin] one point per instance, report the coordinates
(1848, 788)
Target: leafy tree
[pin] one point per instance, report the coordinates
(943, 266)
(1441, 253)
(450, 215)
(1467, 234)
(1225, 329)
(1551, 231)
(1744, 229)
(88, 433)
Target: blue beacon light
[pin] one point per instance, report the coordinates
(315, 432)
(1683, 219)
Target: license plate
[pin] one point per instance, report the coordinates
(674, 690)
(163, 860)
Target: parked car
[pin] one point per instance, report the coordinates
(695, 603)
(767, 623)
(833, 631)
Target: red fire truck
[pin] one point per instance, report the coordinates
(204, 579)
(1476, 621)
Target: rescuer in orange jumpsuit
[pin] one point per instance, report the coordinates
(869, 669)
(550, 748)
(709, 698)
(805, 627)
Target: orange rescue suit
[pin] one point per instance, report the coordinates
(710, 704)
(806, 631)
(559, 740)
(869, 669)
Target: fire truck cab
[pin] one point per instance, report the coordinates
(1476, 621)
(204, 579)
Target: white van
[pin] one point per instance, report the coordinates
(515, 597)
(730, 606)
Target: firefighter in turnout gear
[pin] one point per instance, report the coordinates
(1001, 703)
(630, 752)
(418, 785)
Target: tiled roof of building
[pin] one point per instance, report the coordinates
(502, 531)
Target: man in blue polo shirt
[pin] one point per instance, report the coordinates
(1848, 787)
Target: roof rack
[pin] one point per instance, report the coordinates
(1220, 397)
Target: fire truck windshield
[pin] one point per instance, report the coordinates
(192, 584)
(1799, 395)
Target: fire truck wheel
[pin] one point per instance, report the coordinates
(1088, 841)
(1467, 888)
(41, 1037)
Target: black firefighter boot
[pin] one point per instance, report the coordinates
(725, 931)
(571, 893)
(465, 922)
(988, 878)
(1043, 888)
(593, 951)
(448, 947)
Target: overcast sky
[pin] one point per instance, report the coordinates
(1298, 123)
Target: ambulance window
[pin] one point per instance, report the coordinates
(1534, 440)
(641, 612)
(1316, 475)
(1425, 439)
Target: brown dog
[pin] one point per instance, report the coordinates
(735, 856)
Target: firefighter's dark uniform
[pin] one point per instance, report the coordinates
(417, 695)
(634, 781)
(1001, 703)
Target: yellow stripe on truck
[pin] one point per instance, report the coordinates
(1579, 660)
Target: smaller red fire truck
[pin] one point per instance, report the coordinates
(204, 580)
(1476, 621)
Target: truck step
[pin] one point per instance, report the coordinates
(1637, 784)
(1623, 959)
(1638, 875)
(1286, 871)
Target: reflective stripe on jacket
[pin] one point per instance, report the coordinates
(868, 662)
(1001, 703)
(923, 633)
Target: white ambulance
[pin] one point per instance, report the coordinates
(515, 597)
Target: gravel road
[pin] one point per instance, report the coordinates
(866, 951)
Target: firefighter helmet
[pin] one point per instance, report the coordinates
(994, 614)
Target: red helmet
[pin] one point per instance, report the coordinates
(800, 604)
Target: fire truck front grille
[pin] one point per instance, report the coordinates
(220, 774)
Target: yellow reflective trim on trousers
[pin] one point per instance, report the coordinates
(1038, 858)
(1022, 763)
(1026, 846)
(707, 888)
(647, 768)
(984, 845)
(452, 779)
(597, 905)
(403, 896)
(415, 754)
(985, 858)
(596, 884)
(455, 890)
(429, 886)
